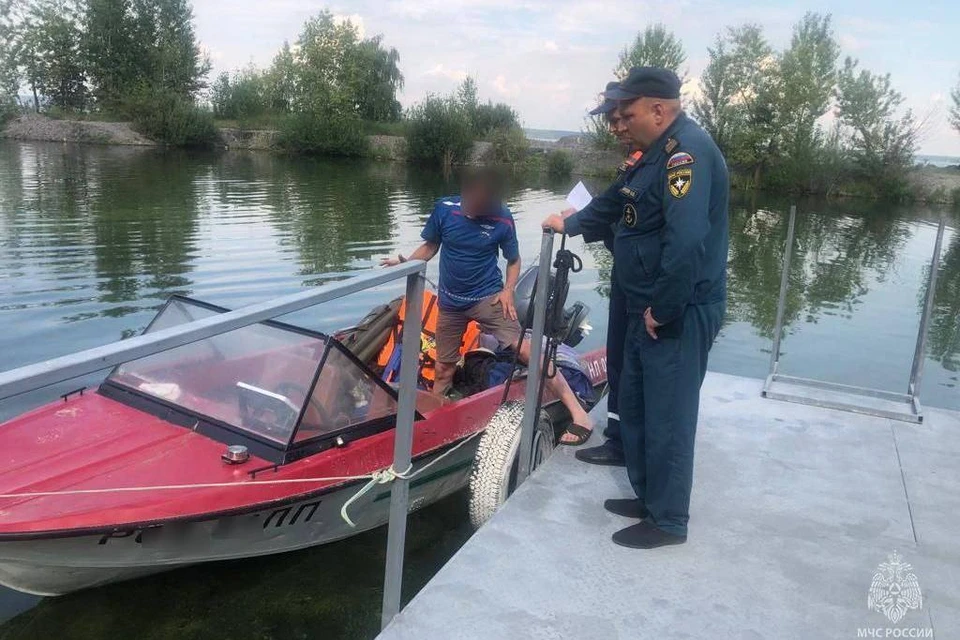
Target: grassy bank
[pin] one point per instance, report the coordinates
(389, 141)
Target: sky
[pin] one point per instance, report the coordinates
(549, 58)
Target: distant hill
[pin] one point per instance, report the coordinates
(549, 135)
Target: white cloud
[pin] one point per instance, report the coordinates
(502, 88)
(441, 70)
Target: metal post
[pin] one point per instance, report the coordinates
(784, 284)
(536, 356)
(402, 446)
(916, 372)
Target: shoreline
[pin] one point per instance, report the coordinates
(929, 184)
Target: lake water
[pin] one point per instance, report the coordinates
(94, 239)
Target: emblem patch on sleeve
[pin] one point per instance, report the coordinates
(679, 159)
(629, 215)
(679, 181)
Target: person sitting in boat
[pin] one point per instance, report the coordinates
(472, 231)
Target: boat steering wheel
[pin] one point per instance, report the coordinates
(290, 388)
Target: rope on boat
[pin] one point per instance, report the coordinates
(381, 476)
(385, 476)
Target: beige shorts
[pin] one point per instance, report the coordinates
(451, 326)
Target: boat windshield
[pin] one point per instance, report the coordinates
(256, 378)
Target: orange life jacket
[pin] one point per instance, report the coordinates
(428, 338)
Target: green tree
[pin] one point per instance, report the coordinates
(59, 74)
(484, 119)
(22, 47)
(440, 133)
(714, 109)
(754, 136)
(739, 89)
(9, 74)
(110, 51)
(170, 58)
(133, 47)
(377, 80)
(240, 97)
(323, 72)
(955, 107)
(808, 77)
(281, 81)
(882, 142)
(654, 47)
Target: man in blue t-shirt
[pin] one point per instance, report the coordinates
(473, 230)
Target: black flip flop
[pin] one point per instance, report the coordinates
(582, 434)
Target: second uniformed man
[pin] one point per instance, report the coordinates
(671, 255)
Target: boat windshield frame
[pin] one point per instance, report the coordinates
(274, 450)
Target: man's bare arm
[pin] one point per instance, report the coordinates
(424, 252)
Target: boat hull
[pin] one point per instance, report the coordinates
(59, 565)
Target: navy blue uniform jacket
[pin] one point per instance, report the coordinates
(672, 239)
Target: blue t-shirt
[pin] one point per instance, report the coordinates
(469, 251)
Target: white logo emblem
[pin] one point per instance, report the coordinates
(895, 589)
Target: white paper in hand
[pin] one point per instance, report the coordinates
(579, 197)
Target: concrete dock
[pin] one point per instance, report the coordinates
(794, 509)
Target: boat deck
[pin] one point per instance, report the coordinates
(794, 507)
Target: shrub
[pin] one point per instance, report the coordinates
(559, 164)
(172, 120)
(439, 133)
(510, 145)
(373, 128)
(333, 133)
(242, 97)
(955, 197)
(8, 111)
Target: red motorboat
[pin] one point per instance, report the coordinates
(244, 444)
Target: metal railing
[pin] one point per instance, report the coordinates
(878, 402)
(532, 397)
(44, 374)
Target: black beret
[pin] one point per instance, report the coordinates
(646, 82)
(607, 105)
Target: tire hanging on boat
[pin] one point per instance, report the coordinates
(494, 474)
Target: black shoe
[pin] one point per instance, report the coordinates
(645, 535)
(626, 507)
(606, 455)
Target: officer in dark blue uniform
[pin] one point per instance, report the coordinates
(610, 453)
(671, 256)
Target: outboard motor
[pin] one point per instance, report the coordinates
(570, 328)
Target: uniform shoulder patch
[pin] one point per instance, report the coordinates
(671, 145)
(679, 159)
(679, 181)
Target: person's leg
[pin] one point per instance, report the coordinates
(489, 313)
(616, 336)
(450, 328)
(633, 408)
(559, 387)
(673, 373)
(610, 453)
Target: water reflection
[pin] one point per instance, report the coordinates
(92, 239)
(944, 340)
